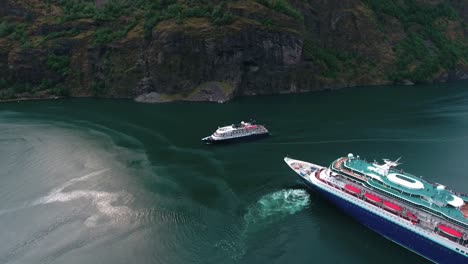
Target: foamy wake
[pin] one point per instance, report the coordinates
(268, 209)
(276, 205)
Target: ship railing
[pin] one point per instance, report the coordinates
(461, 194)
(427, 221)
(353, 174)
(435, 184)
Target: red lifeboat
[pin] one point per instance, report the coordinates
(352, 189)
(372, 198)
(412, 217)
(449, 231)
(392, 207)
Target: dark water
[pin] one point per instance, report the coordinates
(102, 181)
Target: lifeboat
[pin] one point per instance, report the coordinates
(392, 207)
(449, 231)
(372, 198)
(352, 189)
(412, 217)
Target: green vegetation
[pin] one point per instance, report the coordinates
(6, 29)
(59, 64)
(159, 11)
(409, 12)
(107, 35)
(98, 87)
(328, 59)
(73, 9)
(19, 33)
(429, 38)
(283, 6)
(60, 34)
(220, 17)
(334, 64)
(114, 9)
(426, 49)
(116, 12)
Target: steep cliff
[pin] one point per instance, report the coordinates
(213, 50)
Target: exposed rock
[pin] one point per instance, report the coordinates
(338, 44)
(152, 97)
(407, 82)
(207, 92)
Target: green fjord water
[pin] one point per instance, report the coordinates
(111, 181)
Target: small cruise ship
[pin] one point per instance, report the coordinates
(237, 132)
(423, 217)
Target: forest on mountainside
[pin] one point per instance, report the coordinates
(207, 50)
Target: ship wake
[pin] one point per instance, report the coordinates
(268, 210)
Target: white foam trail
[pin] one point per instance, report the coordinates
(266, 210)
(279, 204)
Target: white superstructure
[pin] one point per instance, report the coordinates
(355, 193)
(242, 129)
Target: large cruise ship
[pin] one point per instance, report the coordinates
(423, 217)
(237, 132)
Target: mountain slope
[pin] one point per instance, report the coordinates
(213, 50)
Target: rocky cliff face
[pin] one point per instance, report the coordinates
(212, 51)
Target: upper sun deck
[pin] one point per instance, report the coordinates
(225, 129)
(405, 186)
(242, 127)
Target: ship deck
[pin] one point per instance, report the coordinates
(339, 166)
(425, 221)
(407, 187)
(464, 210)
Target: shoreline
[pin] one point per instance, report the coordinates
(22, 99)
(156, 98)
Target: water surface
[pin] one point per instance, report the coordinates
(113, 181)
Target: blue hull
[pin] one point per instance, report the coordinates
(402, 236)
(238, 139)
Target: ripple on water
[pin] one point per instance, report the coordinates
(71, 188)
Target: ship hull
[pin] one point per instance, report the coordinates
(396, 233)
(210, 140)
